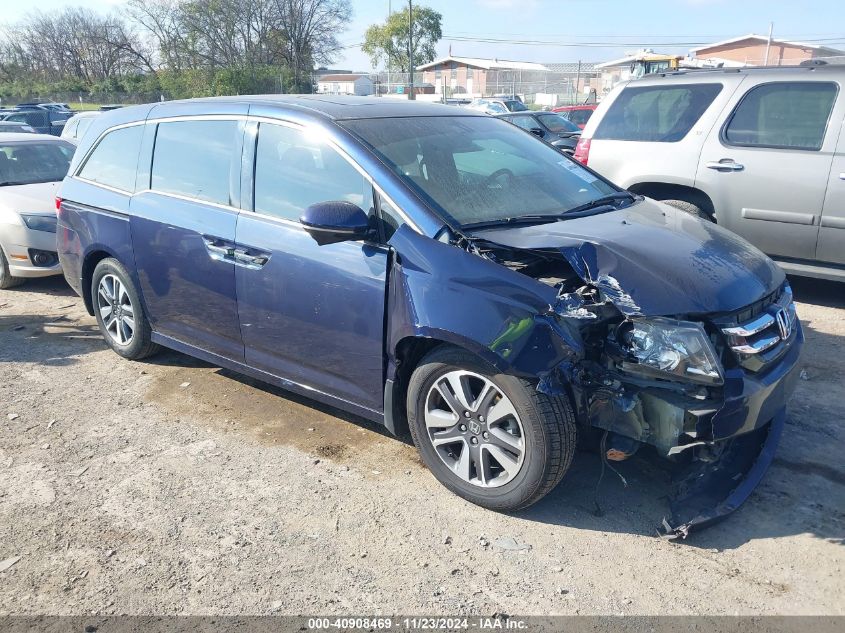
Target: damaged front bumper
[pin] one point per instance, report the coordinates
(723, 446)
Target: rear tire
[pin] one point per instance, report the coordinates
(6, 279)
(507, 461)
(120, 315)
(689, 207)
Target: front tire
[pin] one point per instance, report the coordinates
(6, 279)
(120, 315)
(490, 438)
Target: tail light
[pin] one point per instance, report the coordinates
(582, 151)
(58, 204)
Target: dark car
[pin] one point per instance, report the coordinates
(12, 126)
(42, 120)
(550, 127)
(436, 269)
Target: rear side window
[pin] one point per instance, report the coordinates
(661, 114)
(294, 170)
(194, 159)
(791, 115)
(114, 160)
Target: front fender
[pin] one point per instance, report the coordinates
(440, 291)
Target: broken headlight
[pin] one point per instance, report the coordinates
(665, 348)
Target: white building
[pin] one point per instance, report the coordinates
(345, 84)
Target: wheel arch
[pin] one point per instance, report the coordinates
(89, 263)
(674, 191)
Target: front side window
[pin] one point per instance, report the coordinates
(23, 163)
(194, 158)
(34, 119)
(479, 169)
(660, 114)
(295, 169)
(114, 160)
(790, 115)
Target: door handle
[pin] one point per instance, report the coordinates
(218, 249)
(249, 260)
(842, 176)
(726, 164)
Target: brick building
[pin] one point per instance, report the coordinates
(751, 50)
(476, 76)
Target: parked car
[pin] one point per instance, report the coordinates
(76, 125)
(11, 126)
(432, 268)
(578, 114)
(31, 168)
(42, 120)
(550, 127)
(44, 105)
(760, 151)
(497, 106)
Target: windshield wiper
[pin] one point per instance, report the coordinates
(612, 200)
(518, 219)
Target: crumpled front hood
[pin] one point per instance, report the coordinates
(39, 197)
(652, 259)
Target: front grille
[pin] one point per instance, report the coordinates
(760, 334)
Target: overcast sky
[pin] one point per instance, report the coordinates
(569, 30)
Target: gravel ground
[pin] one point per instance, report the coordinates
(175, 487)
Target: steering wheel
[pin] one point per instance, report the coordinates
(492, 178)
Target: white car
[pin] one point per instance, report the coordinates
(31, 168)
(760, 151)
(77, 125)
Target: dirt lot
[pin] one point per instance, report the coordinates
(174, 487)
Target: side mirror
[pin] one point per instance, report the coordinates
(335, 221)
(537, 132)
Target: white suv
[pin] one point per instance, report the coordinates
(761, 151)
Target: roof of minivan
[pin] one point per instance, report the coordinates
(340, 107)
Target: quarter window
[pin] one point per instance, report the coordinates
(791, 115)
(194, 159)
(661, 114)
(294, 170)
(114, 160)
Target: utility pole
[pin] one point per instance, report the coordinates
(769, 43)
(412, 96)
(389, 13)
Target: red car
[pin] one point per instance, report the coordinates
(578, 114)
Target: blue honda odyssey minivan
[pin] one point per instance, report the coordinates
(441, 272)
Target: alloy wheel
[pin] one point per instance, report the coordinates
(116, 310)
(474, 428)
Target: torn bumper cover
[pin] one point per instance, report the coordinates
(723, 448)
(710, 491)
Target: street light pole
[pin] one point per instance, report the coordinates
(411, 49)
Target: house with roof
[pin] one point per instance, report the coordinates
(756, 50)
(345, 84)
(477, 76)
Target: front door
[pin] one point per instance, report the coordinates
(310, 314)
(183, 232)
(831, 247)
(767, 167)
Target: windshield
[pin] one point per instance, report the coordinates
(515, 106)
(27, 163)
(557, 123)
(480, 169)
